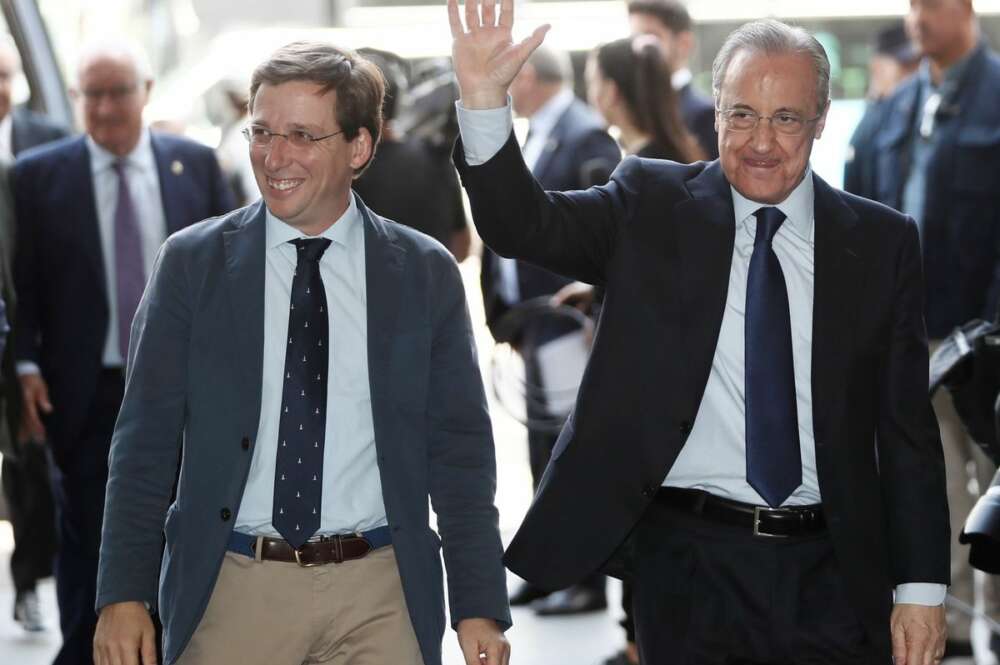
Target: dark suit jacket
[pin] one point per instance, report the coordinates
(195, 367)
(660, 237)
(30, 129)
(578, 154)
(698, 113)
(859, 167)
(961, 225)
(58, 269)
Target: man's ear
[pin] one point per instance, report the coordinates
(362, 148)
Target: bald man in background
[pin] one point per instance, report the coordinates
(92, 213)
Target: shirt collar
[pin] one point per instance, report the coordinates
(545, 118)
(681, 78)
(141, 155)
(346, 231)
(798, 206)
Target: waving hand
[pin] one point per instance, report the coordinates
(485, 58)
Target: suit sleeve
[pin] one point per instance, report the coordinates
(462, 464)
(911, 462)
(145, 447)
(598, 156)
(569, 233)
(27, 280)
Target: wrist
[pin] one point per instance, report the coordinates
(481, 100)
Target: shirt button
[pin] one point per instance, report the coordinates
(225, 514)
(245, 443)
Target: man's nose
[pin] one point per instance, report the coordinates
(277, 153)
(762, 137)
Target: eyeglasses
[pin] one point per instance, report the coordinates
(784, 122)
(115, 94)
(298, 138)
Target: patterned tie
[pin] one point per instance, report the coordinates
(298, 473)
(130, 276)
(774, 466)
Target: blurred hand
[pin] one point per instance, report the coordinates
(918, 634)
(575, 294)
(125, 635)
(35, 395)
(482, 642)
(483, 55)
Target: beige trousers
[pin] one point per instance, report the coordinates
(276, 613)
(968, 472)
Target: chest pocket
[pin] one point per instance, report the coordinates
(977, 161)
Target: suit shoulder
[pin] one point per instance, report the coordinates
(208, 231)
(413, 240)
(876, 215)
(182, 145)
(49, 153)
(38, 122)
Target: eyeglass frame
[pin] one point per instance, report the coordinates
(770, 118)
(246, 132)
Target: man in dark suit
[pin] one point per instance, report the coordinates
(92, 212)
(25, 469)
(752, 441)
(937, 159)
(567, 148)
(320, 451)
(670, 22)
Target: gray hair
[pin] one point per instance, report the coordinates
(773, 37)
(119, 49)
(551, 66)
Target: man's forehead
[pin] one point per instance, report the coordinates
(294, 103)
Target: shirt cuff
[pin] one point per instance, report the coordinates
(921, 593)
(483, 132)
(27, 367)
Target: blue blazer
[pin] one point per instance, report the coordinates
(62, 315)
(961, 226)
(195, 371)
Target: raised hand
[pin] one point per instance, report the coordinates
(484, 57)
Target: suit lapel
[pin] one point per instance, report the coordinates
(838, 279)
(79, 188)
(245, 250)
(705, 233)
(384, 262)
(170, 170)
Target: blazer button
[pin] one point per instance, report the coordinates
(649, 491)
(225, 514)
(245, 443)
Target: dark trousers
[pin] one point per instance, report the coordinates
(32, 515)
(709, 594)
(79, 477)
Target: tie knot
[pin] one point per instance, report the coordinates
(769, 219)
(310, 249)
(119, 166)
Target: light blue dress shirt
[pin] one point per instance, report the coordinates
(352, 489)
(714, 456)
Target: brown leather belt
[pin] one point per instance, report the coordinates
(328, 549)
(760, 520)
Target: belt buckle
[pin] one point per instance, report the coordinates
(298, 557)
(757, 510)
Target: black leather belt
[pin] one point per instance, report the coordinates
(760, 520)
(328, 549)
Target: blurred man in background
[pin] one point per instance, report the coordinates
(937, 159)
(895, 58)
(25, 468)
(567, 148)
(670, 22)
(92, 213)
(409, 180)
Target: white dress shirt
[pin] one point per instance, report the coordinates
(714, 456)
(7, 136)
(352, 490)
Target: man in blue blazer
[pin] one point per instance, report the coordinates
(92, 212)
(311, 365)
(936, 157)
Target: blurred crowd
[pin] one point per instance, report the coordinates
(82, 216)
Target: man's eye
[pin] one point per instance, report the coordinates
(742, 115)
(786, 119)
(259, 133)
(301, 137)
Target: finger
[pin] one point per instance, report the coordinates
(490, 13)
(148, 647)
(454, 20)
(507, 13)
(470, 651)
(493, 653)
(506, 654)
(528, 45)
(42, 398)
(472, 15)
(916, 647)
(898, 645)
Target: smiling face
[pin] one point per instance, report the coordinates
(764, 165)
(306, 187)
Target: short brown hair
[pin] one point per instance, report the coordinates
(359, 84)
(671, 13)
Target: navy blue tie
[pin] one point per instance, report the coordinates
(298, 473)
(774, 465)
